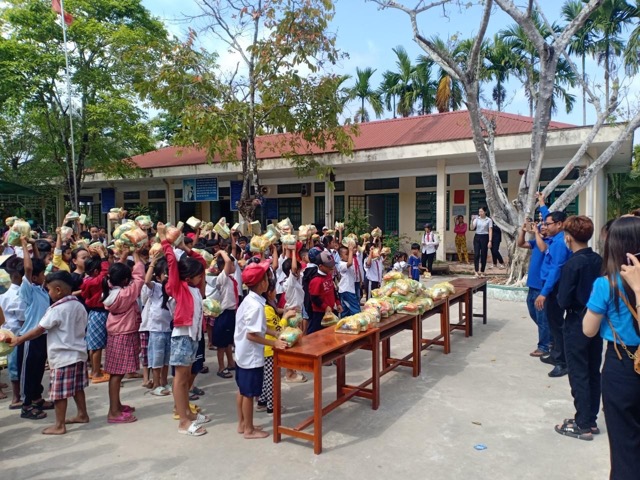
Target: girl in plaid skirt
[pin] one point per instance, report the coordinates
(121, 289)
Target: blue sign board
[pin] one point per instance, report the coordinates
(108, 199)
(200, 189)
(272, 209)
(236, 193)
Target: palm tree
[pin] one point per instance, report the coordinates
(529, 60)
(609, 20)
(500, 63)
(449, 91)
(402, 80)
(632, 52)
(581, 45)
(362, 91)
(425, 87)
(388, 90)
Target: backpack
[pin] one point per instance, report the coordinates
(309, 274)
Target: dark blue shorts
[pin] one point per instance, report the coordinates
(223, 329)
(249, 381)
(197, 366)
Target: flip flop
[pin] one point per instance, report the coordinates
(128, 409)
(197, 391)
(201, 419)
(100, 379)
(32, 413)
(225, 373)
(205, 369)
(194, 430)
(123, 418)
(193, 397)
(43, 404)
(160, 392)
(298, 378)
(15, 406)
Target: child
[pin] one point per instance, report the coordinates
(120, 291)
(62, 254)
(346, 287)
(185, 284)
(400, 263)
(224, 325)
(32, 356)
(96, 269)
(374, 268)
(249, 336)
(415, 262)
(293, 300)
(275, 324)
(13, 308)
(64, 322)
(157, 319)
(79, 257)
(322, 292)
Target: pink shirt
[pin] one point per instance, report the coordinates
(460, 228)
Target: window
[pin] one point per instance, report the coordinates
(425, 209)
(178, 194)
(158, 211)
(318, 187)
(475, 178)
(224, 191)
(338, 208)
(572, 208)
(548, 174)
(289, 188)
(131, 195)
(318, 210)
(428, 181)
(129, 206)
(391, 207)
(156, 194)
(382, 184)
(291, 208)
(358, 202)
(96, 215)
(477, 199)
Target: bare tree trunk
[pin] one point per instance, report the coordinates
(518, 263)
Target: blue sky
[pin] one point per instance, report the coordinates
(368, 36)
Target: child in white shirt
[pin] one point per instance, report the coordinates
(346, 287)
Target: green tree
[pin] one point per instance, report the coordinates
(500, 63)
(363, 92)
(609, 20)
(581, 45)
(388, 91)
(112, 44)
(449, 91)
(223, 112)
(632, 52)
(401, 82)
(425, 87)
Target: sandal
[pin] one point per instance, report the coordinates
(159, 392)
(42, 404)
(572, 430)
(201, 419)
(205, 369)
(595, 430)
(194, 430)
(15, 406)
(123, 418)
(196, 391)
(225, 373)
(128, 409)
(32, 413)
(297, 378)
(193, 397)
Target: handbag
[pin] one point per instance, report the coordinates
(617, 340)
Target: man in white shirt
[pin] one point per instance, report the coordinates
(429, 245)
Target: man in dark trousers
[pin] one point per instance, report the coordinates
(583, 354)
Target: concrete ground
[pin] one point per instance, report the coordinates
(486, 391)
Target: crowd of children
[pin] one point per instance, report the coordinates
(69, 300)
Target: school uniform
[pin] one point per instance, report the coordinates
(347, 290)
(224, 325)
(250, 355)
(13, 308)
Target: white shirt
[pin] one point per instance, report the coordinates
(195, 329)
(66, 324)
(400, 266)
(211, 288)
(280, 276)
(430, 242)
(347, 278)
(482, 226)
(224, 285)
(154, 317)
(238, 276)
(250, 318)
(375, 270)
(293, 292)
(360, 273)
(13, 308)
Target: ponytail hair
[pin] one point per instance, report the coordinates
(189, 268)
(119, 275)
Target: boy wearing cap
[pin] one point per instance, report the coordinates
(249, 337)
(322, 292)
(65, 323)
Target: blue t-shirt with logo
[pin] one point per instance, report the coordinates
(600, 302)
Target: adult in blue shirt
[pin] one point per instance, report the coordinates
(555, 257)
(534, 282)
(612, 311)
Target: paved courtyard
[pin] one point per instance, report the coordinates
(487, 391)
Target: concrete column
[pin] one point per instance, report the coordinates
(328, 205)
(171, 203)
(60, 212)
(441, 208)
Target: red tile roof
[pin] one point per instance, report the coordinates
(435, 128)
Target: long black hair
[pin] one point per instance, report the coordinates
(623, 238)
(160, 268)
(119, 275)
(189, 267)
(92, 265)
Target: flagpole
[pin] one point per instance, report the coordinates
(73, 152)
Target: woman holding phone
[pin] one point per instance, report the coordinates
(612, 311)
(483, 227)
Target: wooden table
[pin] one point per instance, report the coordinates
(392, 325)
(462, 296)
(475, 285)
(310, 355)
(444, 339)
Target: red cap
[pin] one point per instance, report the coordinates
(253, 273)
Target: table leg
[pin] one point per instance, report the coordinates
(386, 352)
(341, 376)
(277, 391)
(445, 328)
(484, 304)
(469, 308)
(416, 330)
(375, 370)
(317, 406)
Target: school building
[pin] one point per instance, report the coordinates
(403, 173)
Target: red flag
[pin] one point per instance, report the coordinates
(55, 5)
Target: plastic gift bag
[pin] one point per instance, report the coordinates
(290, 335)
